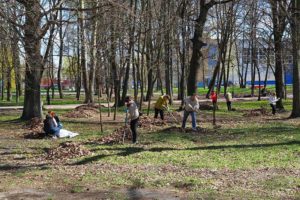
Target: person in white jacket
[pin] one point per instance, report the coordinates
(272, 101)
(134, 114)
(191, 107)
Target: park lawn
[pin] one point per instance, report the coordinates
(245, 157)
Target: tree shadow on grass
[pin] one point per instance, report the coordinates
(124, 152)
(13, 121)
(23, 168)
(127, 151)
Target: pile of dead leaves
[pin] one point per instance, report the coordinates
(173, 117)
(35, 127)
(149, 123)
(118, 136)
(34, 135)
(205, 107)
(67, 150)
(256, 112)
(83, 111)
(34, 123)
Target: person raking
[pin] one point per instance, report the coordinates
(272, 101)
(190, 108)
(133, 112)
(161, 105)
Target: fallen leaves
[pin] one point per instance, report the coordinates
(118, 136)
(35, 125)
(67, 150)
(256, 112)
(83, 111)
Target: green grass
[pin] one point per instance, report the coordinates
(249, 159)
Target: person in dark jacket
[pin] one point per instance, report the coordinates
(52, 124)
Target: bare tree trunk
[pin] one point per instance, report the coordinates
(167, 47)
(295, 26)
(278, 28)
(16, 63)
(8, 72)
(183, 54)
(197, 46)
(61, 48)
(2, 79)
(142, 72)
(129, 55)
(83, 52)
(93, 59)
(79, 72)
(114, 67)
(34, 61)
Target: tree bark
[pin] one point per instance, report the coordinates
(83, 53)
(278, 28)
(79, 71)
(195, 62)
(295, 26)
(61, 49)
(34, 61)
(130, 58)
(93, 60)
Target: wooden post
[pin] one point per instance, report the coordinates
(214, 112)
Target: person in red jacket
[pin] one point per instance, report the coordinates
(214, 99)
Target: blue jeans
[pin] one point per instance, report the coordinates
(186, 115)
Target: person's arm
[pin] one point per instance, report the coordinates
(196, 107)
(59, 124)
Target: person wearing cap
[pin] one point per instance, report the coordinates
(134, 117)
(161, 105)
(191, 107)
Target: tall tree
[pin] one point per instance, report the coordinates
(61, 49)
(83, 50)
(34, 30)
(279, 25)
(198, 43)
(295, 26)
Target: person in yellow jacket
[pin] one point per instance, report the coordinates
(161, 105)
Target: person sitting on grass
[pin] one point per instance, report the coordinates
(272, 100)
(53, 127)
(134, 117)
(161, 105)
(191, 107)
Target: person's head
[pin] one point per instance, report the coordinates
(51, 113)
(166, 97)
(128, 100)
(194, 97)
